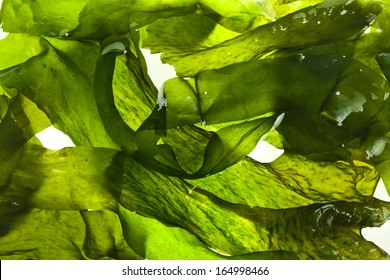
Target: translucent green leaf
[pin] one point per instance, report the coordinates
(3, 106)
(297, 128)
(270, 85)
(67, 235)
(223, 148)
(49, 18)
(251, 229)
(69, 191)
(123, 91)
(134, 98)
(317, 23)
(144, 143)
(337, 113)
(237, 15)
(115, 126)
(22, 120)
(28, 117)
(153, 240)
(200, 33)
(291, 181)
(102, 19)
(19, 53)
(11, 143)
(232, 143)
(64, 90)
(39, 169)
(136, 185)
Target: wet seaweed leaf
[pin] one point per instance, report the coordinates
(105, 195)
(317, 23)
(64, 90)
(164, 174)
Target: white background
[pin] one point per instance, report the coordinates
(54, 139)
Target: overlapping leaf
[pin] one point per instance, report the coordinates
(64, 90)
(330, 87)
(250, 228)
(309, 26)
(97, 20)
(228, 145)
(42, 17)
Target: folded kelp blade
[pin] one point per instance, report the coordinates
(99, 19)
(76, 188)
(236, 229)
(78, 214)
(306, 27)
(41, 234)
(191, 214)
(152, 239)
(227, 146)
(66, 72)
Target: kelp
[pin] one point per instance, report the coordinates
(117, 183)
(165, 174)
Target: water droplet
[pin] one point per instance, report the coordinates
(386, 96)
(337, 92)
(282, 27)
(64, 33)
(203, 123)
(335, 252)
(312, 12)
(377, 148)
(373, 251)
(133, 24)
(367, 30)
(343, 12)
(301, 57)
(13, 116)
(299, 15)
(348, 104)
